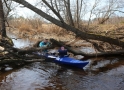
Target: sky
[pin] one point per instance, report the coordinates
(25, 12)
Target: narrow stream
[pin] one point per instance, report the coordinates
(50, 76)
(105, 74)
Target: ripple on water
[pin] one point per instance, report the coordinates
(49, 76)
(28, 78)
(110, 80)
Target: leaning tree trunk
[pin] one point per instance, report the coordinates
(79, 33)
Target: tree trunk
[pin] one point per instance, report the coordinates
(3, 36)
(57, 14)
(2, 21)
(20, 60)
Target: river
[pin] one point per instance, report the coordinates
(105, 74)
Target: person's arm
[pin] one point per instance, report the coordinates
(41, 44)
(66, 52)
(48, 44)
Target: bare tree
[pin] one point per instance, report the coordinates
(78, 11)
(92, 11)
(7, 7)
(3, 37)
(66, 10)
(52, 8)
(110, 8)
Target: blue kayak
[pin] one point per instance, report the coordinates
(69, 61)
(64, 60)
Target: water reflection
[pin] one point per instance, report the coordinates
(30, 77)
(50, 76)
(21, 43)
(104, 63)
(87, 50)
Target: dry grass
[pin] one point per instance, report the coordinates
(105, 28)
(36, 30)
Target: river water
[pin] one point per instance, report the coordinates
(105, 74)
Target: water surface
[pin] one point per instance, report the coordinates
(50, 76)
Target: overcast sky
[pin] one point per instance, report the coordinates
(25, 12)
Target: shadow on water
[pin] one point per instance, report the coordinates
(106, 64)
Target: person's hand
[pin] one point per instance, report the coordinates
(45, 45)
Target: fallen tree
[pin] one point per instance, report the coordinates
(20, 61)
(97, 54)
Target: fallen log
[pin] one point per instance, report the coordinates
(32, 49)
(20, 53)
(97, 54)
(8, 61)
(35, 60)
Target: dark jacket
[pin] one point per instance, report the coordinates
(62, 53)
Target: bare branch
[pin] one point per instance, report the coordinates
(56, 13)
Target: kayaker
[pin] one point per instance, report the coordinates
(62, 51)
(44, 43)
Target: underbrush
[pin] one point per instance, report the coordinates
(36, 30)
